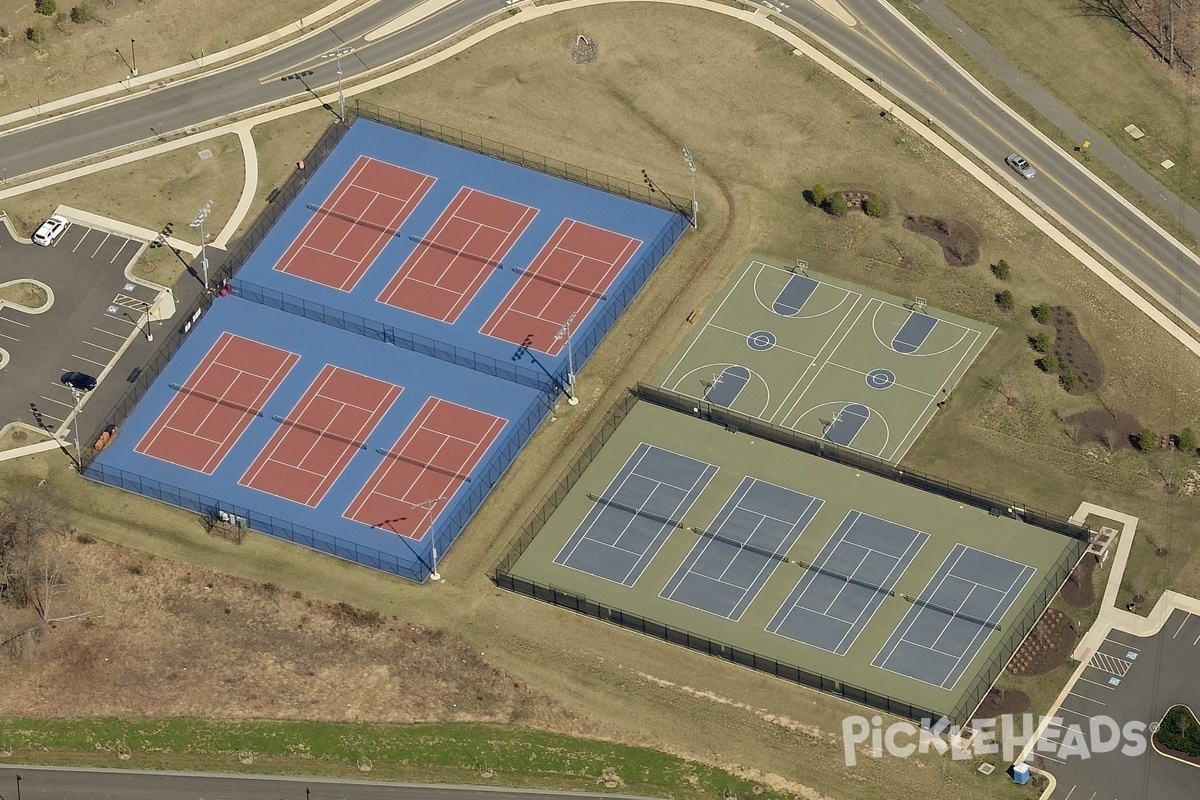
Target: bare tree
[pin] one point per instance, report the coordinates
(32, 564)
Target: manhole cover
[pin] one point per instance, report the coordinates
(205, 154)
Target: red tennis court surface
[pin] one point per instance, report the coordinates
(425, 467)
(217, 402)
(569, 276)
(453, 260)
(358, 219)
(317, 439)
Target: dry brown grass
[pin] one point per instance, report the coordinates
(76, 58)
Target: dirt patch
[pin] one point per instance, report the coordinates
(1114, 430)
(1048, 645)
(1075, 355)
(1078, 591)
(1002, 701)
(959, 242)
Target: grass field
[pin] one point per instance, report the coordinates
(655, 88)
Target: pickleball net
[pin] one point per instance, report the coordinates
(537, 276)
(454, 251)
(323, 433)
(423, 464)
(353, 220)
(211, 398)
(985, 623)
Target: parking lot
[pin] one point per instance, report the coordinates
(1129, 679)
(95, 311)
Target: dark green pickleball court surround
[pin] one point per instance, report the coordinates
(828, 358)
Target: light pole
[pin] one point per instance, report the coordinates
(198, 222)
(18, 787)
(428, 505)
(687, 158)
(133, 52)
(338, 53)
(565, 330)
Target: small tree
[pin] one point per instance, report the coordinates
(836, 204)
(873, 206)
(47, 7)
(1001, 269)
(1042, 312)
(81, 14)
(1042, 342)
(1005, 300)
(1147, 440)
(36, 33)
(1187, 441)
(1048, 363)
(819, 194)
(1069, 380)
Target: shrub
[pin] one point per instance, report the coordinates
(81, 14)
(1048, 363)
(47, 7)
(1005, 300)
(873, 207)
(1147, 441)
(1042, 312)
(1187, 440)
(1042, 342)
(1179, 731)
(819, 194)
(1069, 380)
(60, 18)
(1001, 269)
(836, 204)
(36, 33)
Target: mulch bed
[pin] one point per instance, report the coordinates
(1114, 430)
(998, 703)
(1048, 645)
(960, 243)
(1078, 591)
(1074, 353)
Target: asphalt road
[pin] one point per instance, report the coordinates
(87, 784)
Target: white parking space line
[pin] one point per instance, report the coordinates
(1073, 711)
(1101, 685)
(1180, 628)
(102, 241)
(117, 254)
(81, 358)
(1110, 664)
(14, 322)
(6, 336)
(119, 335)
(100, 347)
(81, 240)
(58, 402)
(1085, 697)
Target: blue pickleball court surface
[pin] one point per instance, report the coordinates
(635, 514)
(834, 601)
(953, 617)
(739, 551)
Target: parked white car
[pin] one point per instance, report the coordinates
(50, 230)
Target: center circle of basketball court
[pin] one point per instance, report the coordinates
(881, 378)
(761, 340)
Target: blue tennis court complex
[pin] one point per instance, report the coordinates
(953, 616)
(739, 551)
(636, 513)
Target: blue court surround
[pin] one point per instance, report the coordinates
(723, 578)
(936, 647)
(317, 322)
(635, 514)
(829, 613)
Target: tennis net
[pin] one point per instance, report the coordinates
(423, 464)
(291, 423)
(641, 512)
(220, 401)
(847, 578)
(445, 248)
(729, 540)
(353, 220)
(985, 623)
(537, 276)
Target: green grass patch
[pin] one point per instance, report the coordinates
(443, 753)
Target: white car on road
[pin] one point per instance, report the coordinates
(50, 230)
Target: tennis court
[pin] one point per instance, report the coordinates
(750, 545)
(953, 616)
(857, 367)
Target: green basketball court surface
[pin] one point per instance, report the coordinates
(831, 359)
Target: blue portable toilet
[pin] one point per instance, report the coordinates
(1020, 774)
